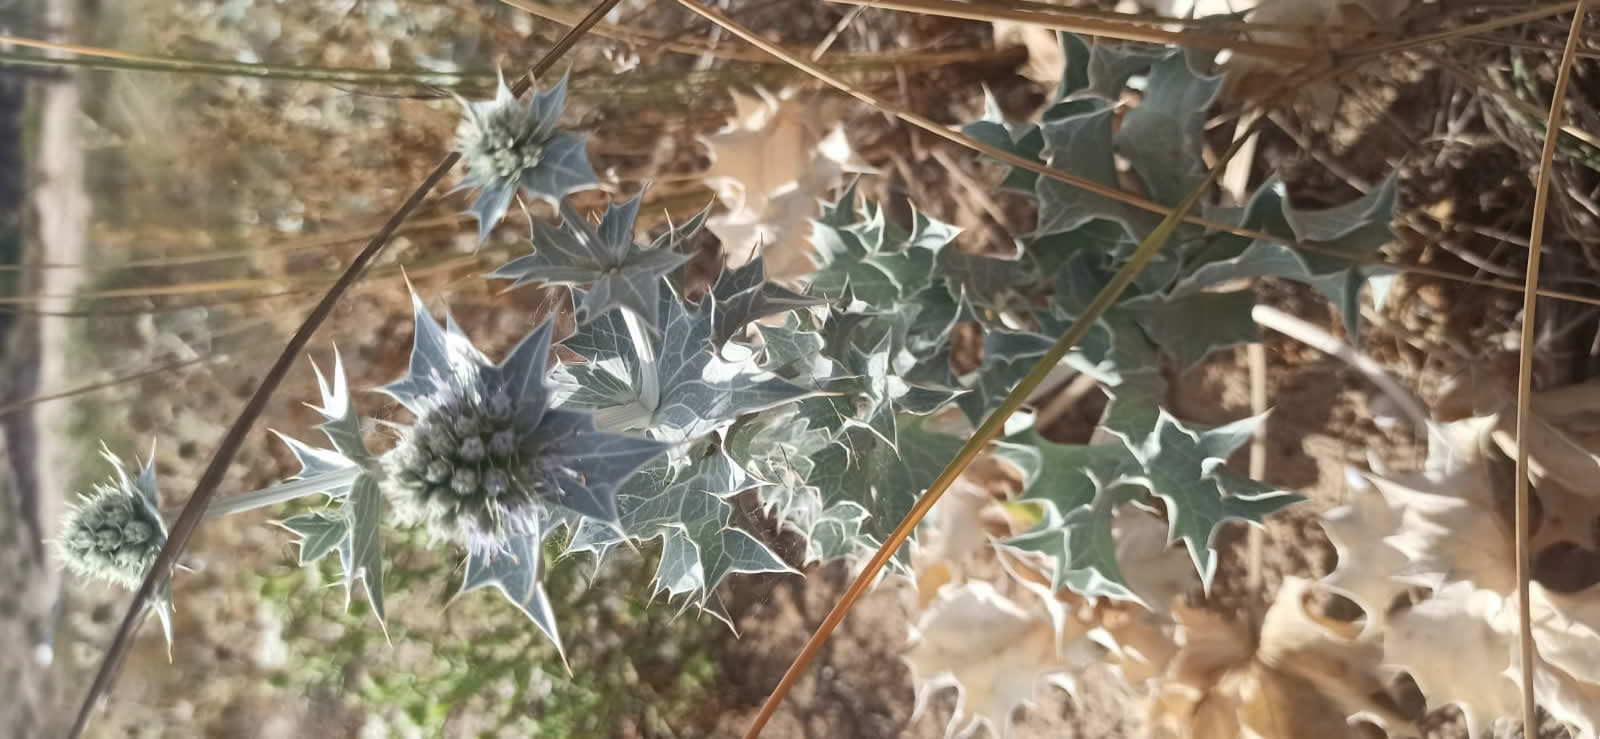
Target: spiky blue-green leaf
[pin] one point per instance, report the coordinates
(884, 481)
(429, 367)
(313, 461)
(859, 395)
(877, 261)
(1050, 253)
(1082, 547)
(1021, 139)
(788, 344)
(687, 508)
(744, 296)
(1067, 475)
(994, 282)
(619, 273)
(775, 449)
(587, 465)
(515, 572)
(723, 549)
(1111, 65)
(1008, 356)
(1114, 346)
(361, 552)
(846, 325)
(564, 169)
(1347, 237)
(1075, 55)
(835, 534)
(1191, 327)
(697, 389)
(1082, 144)
(1134, 406)
(318, 534)
(1184, 465)
(1163, 136)
(340, 423)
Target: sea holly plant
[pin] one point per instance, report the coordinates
(618, 271)
(824, 407)
(113, 533)
(491, 466)
(510, 147)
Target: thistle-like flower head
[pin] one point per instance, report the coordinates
(510, 145)
(487, 458)
(115, 532)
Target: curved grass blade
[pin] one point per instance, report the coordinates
(134, 61)
(1121, 29)
(1528, 654)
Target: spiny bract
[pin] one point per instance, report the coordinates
(115, 532)
(488, 459)
(508, 145)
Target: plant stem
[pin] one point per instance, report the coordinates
(334, 484)
(645, 348)
(695, 47)
(1304, 53)
(134, 61)
(1325, 342)
(1527, 648)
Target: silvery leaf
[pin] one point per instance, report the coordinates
(319, 534)
(619, 273)
(699, 390)
(1082, 144)
(340, 423)
(515, 572)
(362, 551)
(876, 261)
(1163, 136)
(430, 360)
(1189, 328)
(744, 295)
(1023, 140)
(563, 169)
(1184, 466)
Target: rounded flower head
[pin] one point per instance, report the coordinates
(115, 532)
(488, 459)
(509, 145)
(500, 141)
(464, 469)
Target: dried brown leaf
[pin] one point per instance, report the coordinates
(769, 166)
(1300, 679)
(994, 650)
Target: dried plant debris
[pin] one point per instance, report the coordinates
(1448, 528)
(770, 165)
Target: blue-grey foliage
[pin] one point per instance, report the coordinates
(618, 272)
(512, 147)
(677, 381)
(825, 407)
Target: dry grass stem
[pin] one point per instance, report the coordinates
(1307, 54)
(1523, 521)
